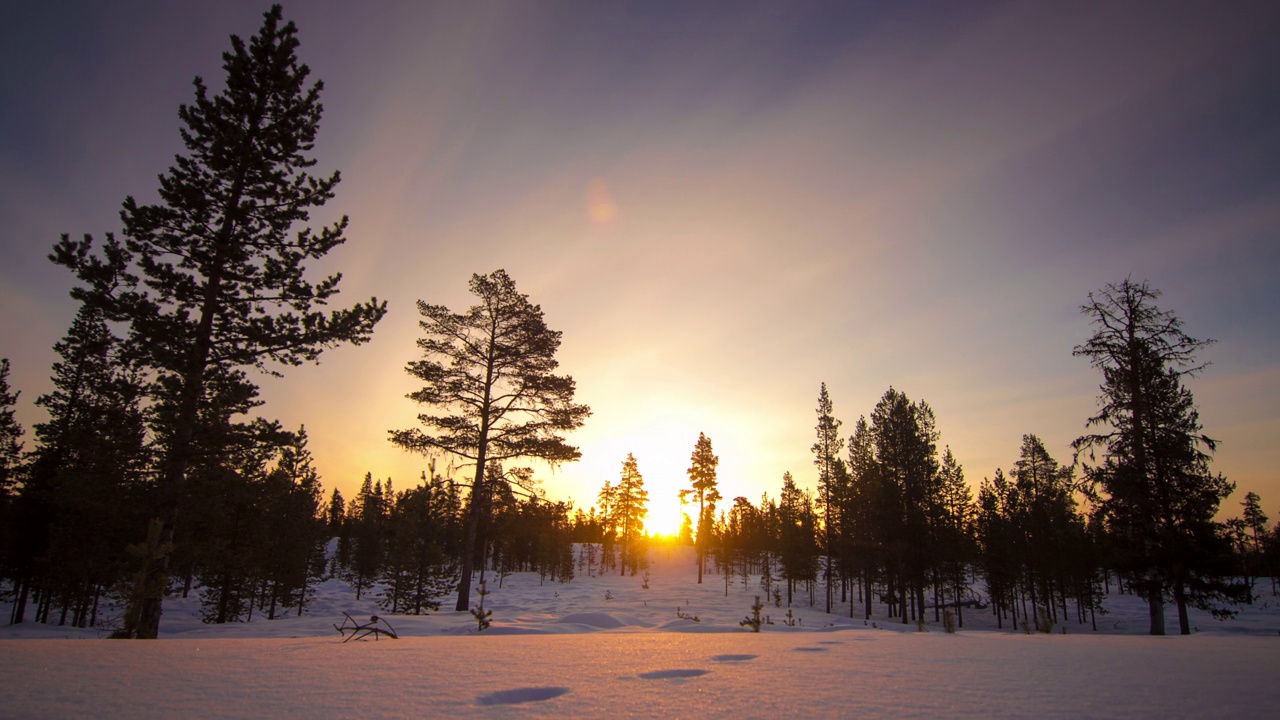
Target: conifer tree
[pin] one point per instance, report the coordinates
(10, 435)
(1255, 521)
(1050, 531)
(955, 531)
(831, 490)
(866, 511)
(797, 527)
(906, 454)
(213, 276)
(702, 488)
(490, 374)
(1154, 482)
(85, 483)
(630, 505)
(10, 464)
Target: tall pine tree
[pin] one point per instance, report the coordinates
(831, 489)
(1154, 482)
(214, 274)
(490, 373)
(702, 488)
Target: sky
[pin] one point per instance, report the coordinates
(721, 205)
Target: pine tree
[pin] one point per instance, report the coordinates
(10, 465)
(295, 529)
(1050, 531)
(866, 511)
(1154, 482)
(85, 484)
(955, 531)
(10, 435)
(702, 488)
(1255, 521)
(491, 374)
(831, 490)
(905, 439)
(213, 276)
(797, 527)
(629, 508)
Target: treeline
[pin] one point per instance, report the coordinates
(894, 530)
(257, 537)
(895, 523)
(76, 507)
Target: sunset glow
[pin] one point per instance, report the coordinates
(719, 207)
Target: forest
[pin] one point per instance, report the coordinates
(148, 479)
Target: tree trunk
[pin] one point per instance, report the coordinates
(1155, 606)
(469, 545)
(1180, 595)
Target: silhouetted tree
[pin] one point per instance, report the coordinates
(832, 480)
(1255, 521)
(1050, 531)
(905, 439)
(1154, 482)
(490, 372)
(954, 530)
(797, 535)
(702, 488)
(11, 537)
(214, 274)
(630, 505)
(866, 512)
(10, 434)
(84, 491)
(420, 567)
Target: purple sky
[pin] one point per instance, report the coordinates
(721, 205)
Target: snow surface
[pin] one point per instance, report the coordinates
(563, 650)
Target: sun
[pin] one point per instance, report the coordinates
(665, 516)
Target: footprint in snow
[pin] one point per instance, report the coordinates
(521, 695)
(830, 642)
(809, 649)
(670, 674)
(733, 658)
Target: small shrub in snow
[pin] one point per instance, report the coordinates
(754, 620)
(481, 615)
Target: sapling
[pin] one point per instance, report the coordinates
(754, 620)
(481, 615)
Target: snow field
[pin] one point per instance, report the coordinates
(862, 673)
(564, 650)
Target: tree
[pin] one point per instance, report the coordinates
(1049, 530)
(955, 526)
(1154, 483)
(702, 487)
(797, 527)
(81, 499)
(1255, 520)
(826, 452)
(629, 508)
(214, 275)
(490, 374)
(905, 438)
(10, 435)
(864, 510)
(10, 465)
